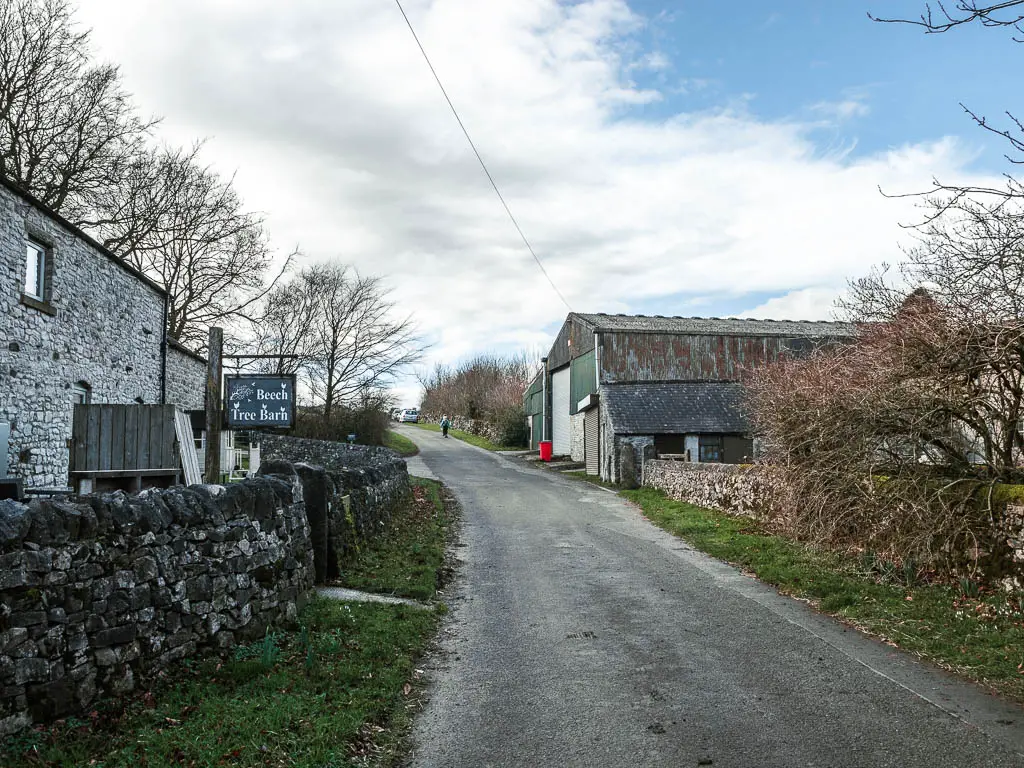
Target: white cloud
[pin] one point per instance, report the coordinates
(817, 303)
(340, 135)
(842, 110)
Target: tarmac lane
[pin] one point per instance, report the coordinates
(582, 635)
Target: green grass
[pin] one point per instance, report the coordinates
(408, 559)
(320, 702)
(979, 636)
(400, 444)
(593, 479)
(466, 437)
(338, 690)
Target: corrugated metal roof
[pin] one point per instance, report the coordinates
(675, 408)
(715, 326)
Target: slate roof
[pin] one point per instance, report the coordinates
(722, 326)
(675, 408)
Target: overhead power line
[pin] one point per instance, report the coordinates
(476, 152)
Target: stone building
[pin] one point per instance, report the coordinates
(670, 383)
(77, 325)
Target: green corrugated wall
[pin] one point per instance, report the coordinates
(582, 379)
(533, 398)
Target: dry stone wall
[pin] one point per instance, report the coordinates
(735, 488)
(350, 492)
(97, 592)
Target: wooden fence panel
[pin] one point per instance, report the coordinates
(103, 445)
(131, 436)
(123, 438)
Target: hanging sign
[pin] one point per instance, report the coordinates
(260, 401)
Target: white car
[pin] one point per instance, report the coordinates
(410, 415)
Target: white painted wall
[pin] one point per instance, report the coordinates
(693, 447)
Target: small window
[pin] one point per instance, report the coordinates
(81, 393)
(35, 270)
(711, 449)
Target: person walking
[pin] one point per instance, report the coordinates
(444, 426)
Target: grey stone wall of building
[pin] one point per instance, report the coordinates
(186, 379)
(577, 448)
(351, 492)
(99, 592)
(102, 325)
(609, 449)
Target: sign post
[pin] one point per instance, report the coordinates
(214, 375)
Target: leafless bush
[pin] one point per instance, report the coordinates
(893, 440)
(486, 388)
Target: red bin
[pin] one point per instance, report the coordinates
(545, 450)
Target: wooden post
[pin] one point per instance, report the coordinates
(214, 400)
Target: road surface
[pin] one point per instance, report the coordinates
(582, 635)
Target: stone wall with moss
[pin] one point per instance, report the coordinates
(99, 592)
(350, 493)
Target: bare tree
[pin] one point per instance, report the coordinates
(185, 227)
(345, 331)
(943, 17)
(284, 328)
(894, 440)
(67, 128)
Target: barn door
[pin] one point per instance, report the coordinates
(592, 441)
(560, 438)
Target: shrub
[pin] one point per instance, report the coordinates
(512, 429)
(369, 425)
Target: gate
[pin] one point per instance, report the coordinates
(126, 447)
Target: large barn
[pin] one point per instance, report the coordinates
(667, 382)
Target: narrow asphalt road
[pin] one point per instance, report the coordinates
(581, 635)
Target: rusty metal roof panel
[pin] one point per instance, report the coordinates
(630, 356)
(717, 326)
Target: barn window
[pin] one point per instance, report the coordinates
(81, 393)
(711, 448)
(37, 257)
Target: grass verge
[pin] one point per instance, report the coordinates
(400, 444)
(592, 479)
(407, 560)
(467, 437)
(329, 694)
(338, 690)
(976, 634)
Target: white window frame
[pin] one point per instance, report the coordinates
(37, 257)
(81, 392)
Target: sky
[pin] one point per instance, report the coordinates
(669, 157)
